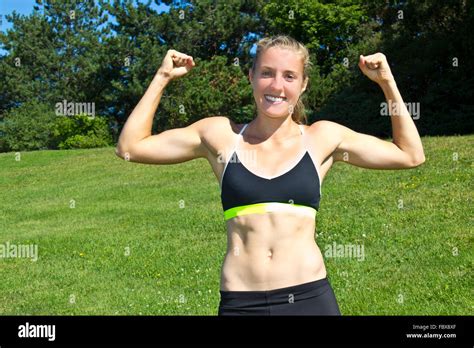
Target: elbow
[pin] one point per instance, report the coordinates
(418, 160)
(121, 152)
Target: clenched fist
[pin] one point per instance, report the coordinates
(176, 64)
(376, 68)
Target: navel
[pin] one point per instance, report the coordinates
(270, 254)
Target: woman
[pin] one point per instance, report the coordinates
(270, 171)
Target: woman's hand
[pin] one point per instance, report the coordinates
(376, 68)
(175, 64)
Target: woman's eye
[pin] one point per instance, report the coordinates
(290, 77)
(266, 73)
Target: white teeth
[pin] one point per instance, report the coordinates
(274, 99)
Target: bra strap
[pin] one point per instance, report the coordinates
(301, 129)
(232, 153)
(243, 128)
(236, 145)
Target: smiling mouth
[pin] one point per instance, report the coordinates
(274, 99)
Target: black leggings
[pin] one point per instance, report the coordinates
(314, 298)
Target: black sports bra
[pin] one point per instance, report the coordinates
(243, 192)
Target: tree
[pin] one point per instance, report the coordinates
(208, 31)
(54, 54)
(429, 48)
(428, 45)
(335, 33)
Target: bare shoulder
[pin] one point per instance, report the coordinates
(328, 132)
(218, 126)
(326, 136)
(325, 127)
(218, 132)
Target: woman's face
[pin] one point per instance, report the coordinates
(277, 81)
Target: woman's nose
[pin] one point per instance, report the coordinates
(277, 83)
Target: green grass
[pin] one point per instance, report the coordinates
(127, 247)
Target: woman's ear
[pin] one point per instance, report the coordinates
(305, 83)
(250, 76)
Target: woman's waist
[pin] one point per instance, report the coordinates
(256, 249)
(264, 268)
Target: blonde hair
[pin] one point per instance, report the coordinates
(299, 114)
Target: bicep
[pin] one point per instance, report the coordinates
(370, 152)
(171, 146)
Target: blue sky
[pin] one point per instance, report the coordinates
(21, 6)
(8, 6)
(26, 7)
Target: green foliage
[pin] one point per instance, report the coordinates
(327, 28)
(34, 126)
(69, 50)
(81, 132)
(55, 53)
(427, 44)
(83, 142)
(429, 50)
(336, 33)
(212, 88)
(27, 127)
(132, 56)
(204, 30)
(432, 56)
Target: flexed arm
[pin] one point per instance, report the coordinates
(406, 149)
(136, 143)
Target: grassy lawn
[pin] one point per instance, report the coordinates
(118, 238)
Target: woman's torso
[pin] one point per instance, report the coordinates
(277, 249)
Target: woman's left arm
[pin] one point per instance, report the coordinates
(406, 149)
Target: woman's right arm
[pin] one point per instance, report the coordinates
(136, 144)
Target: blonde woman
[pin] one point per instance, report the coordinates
(270, 173)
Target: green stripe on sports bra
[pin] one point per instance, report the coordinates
(271, 207)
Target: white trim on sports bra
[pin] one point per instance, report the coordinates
(232, 152)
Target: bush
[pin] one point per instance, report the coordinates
(81, 132)
(35, 126)
(83, 142)
(27, 127)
